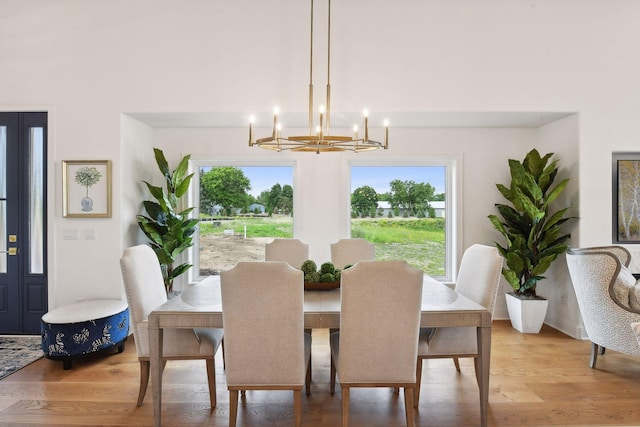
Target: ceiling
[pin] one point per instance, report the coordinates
(346, 120)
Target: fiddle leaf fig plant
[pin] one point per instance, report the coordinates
(170, 231)
(533, 232)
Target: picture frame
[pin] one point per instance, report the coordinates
(86, 188)
(626, 186)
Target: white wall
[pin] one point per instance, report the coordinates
(137, 165)
(90, 61)
(562, 138)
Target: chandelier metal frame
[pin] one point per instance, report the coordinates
(319, 140)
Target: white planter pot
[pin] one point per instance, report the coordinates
(527, 315)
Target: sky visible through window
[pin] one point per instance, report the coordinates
(264, 177)
(379, 177)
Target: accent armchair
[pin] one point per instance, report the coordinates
(608, 298)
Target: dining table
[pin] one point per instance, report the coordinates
(200, 306)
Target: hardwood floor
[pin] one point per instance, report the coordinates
(536, 380)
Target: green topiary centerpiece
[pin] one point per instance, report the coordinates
(327, 277)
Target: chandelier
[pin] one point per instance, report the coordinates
(319, 139)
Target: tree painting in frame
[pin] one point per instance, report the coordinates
(86, 188)
(626, 197)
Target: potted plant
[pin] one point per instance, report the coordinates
(533, 232)
(170, 231)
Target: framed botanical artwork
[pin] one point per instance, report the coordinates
(86, 188)
(626, 197)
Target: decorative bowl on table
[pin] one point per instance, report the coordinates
(321, 286)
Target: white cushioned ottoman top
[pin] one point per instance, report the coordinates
(84, 311)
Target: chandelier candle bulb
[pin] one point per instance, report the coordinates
(251, 119)
(386, 134)
(278, 130)
(365, 113)
(276, 111)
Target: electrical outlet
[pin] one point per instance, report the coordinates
(70, 234)
(563, 299)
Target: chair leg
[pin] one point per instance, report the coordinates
(408, 405)
(310, 332)
(345, 406)
(307, 383)
(145, 366)
(416, 400)
(602, 350)
(457, 363)
(233, 407)
(297, 407)
(211, 378)
(477, 368)
(594, 354)
(332, 378)
(224, 362)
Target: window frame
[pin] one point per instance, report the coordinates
(453, 201)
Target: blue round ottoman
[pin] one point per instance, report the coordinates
(84, 328)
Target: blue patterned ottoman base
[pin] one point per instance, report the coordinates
(84, 328)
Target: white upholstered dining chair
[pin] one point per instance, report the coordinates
(377, 344)
(349, 251)
(292, 251)
(608, 298)
(478, 279)
(265, 344)
(144, 287)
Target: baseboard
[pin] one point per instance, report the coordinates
(579, 333)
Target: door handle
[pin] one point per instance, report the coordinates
(11, 251)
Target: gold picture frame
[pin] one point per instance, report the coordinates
(86, 188)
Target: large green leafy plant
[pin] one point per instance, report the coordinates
(532, 230)
(170, 231)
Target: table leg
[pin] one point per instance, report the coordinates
(155, 348)
(484, 355)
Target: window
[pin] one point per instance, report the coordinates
(405, 211)
(241, 208)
